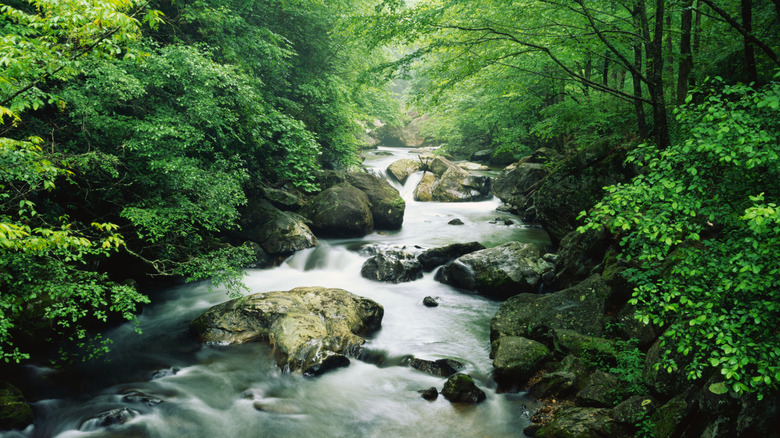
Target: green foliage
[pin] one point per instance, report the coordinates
(702, 228)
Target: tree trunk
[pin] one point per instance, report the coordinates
(639, 107)
(605, 71)
(686, 57)
(750, 54)
(660, 127)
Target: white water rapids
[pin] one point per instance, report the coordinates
(238, 391)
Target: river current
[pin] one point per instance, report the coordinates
(174, 387)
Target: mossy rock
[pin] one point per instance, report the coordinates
(460, 388)
(581, 422)
(15, 413)
(517, 359)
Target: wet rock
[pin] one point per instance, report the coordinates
(516, 359)
(460, 388)
(582, 422)
(482, 156)
(140, 397)
(15, 413)
(515, 185)
(387, 206)
(277, 232)
(312, 329)
(455, 221)
(430, 302)
(442, 255)
(499, 272)
(579, 308)
(165, 372)
(440, 367)
(108, 418)
(591, 347)
(403, 168)
(340, 211)
(430, 393)
(392, 267)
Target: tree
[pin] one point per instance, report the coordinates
(700, 227)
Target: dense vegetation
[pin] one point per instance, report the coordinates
(133, 132)
(691, 88)
(137, 130)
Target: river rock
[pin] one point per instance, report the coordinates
(282, 199)
(482, 156)
(430, 393)
(440, 367)
(499, 272)
(434, 257)
(392, 267)
(406, 135)
(310, 328)
(457, 185)
(424, 190)
(582, 422)
(515, 185)
(15, 413)
(568, 377)
(340, 211)
(516, 359)
(430, 302)
(634, 409)
(468, 166)
(460, 388)
(577, 184)
(277, 232)
(387, 206)
(580, 255)
(580, 308)
(601, 390)
(108, 418)
(403, 168)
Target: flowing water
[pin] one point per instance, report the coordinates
(173, 387)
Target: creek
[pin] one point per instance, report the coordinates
(176, 388)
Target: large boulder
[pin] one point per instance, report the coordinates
(579, 422)
(447, 182)
(460, 388)
(580, 308)
(15, 413)
(311, 328)
(579, 256)
(517, 359)
(601, 390)
(439, 367)
(403, 168)
(577, 184)
(387, 206)
(392, 267)
(568, 376)
(424, 190)
(434, 257)
(277, 232)
(499, 272)
(407, 135)
(340, 211)
(513, 186)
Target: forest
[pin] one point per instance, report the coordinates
(135, 133)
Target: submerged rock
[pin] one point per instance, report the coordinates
(430, 393)
(108, 418)
(392, 267)
(499, 272)
(430, 302)
(460, 388)
(312, 329)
